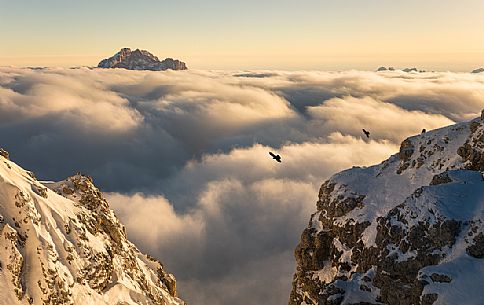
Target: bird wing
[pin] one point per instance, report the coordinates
(272, 155)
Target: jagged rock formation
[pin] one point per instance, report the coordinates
(407, 231)
(479, 70)
(61, 244)
(140, 60)
(380, 69)
(408, 70)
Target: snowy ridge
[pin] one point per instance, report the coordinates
(397, 178)
(415, 222)
(61, 244)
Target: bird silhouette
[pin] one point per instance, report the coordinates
(367, 133)
(424, 130)
(275, 157)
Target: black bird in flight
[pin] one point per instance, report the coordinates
(275, 157)
(367, 133)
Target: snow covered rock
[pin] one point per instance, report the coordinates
(140, 60)
(407, 231)
(61, 244)
(4, 153)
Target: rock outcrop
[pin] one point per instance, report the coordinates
(380, 69)
(4, 153)
(407, 231)
(407, 70)
(140, 60)
(479, 70)
(61, 244)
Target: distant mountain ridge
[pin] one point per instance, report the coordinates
(140, 60)
(408, 70)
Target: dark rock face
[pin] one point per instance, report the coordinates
(140, 60)
(406, 151)
(410, 70)
(473, 150)
(380, 69)
(477, 248)
(4, 153)
(441, 179)
(479, 70)
(440, 278)
(348, 257)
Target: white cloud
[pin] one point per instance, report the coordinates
(384, 120)
(185, 154)
(67, 97)
(242, 218)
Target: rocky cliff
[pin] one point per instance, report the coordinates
(140, 60)
(61, 244)
(407, 231)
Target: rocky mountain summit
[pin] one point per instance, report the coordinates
(479, 70)
(140, 60)
(61, 244)
(408, 70)
(380, 69)
(407, 231)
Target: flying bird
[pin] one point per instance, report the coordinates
(275, 157)
(367, 133)
(424, 130)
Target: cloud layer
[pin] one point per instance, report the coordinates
(184, 154)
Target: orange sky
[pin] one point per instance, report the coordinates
(216, 34)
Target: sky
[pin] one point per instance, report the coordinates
(182, 156)
(218, 34)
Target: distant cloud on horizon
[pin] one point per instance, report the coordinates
(183, 156)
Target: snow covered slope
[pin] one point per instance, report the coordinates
(61, 244)
(407, 231)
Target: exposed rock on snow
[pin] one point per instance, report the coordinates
(4, 153)
(61, 244)
(140, 60)
(407, 231)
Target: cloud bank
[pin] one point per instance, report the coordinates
(184, 157)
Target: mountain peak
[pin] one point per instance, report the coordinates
(407, 231)
(140, 60)
(62, 244)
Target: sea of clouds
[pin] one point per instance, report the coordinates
(183, 155)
